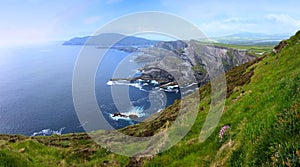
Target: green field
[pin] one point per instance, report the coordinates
(262, 109)
(257, 50)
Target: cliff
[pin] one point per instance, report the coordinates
(189, 62)
(262, 112)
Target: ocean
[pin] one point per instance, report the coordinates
(36, 90)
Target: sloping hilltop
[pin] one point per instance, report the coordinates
(260, 125)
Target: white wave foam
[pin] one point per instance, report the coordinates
(138, 111)
(123, 82)
(171, 89)
(48, 132)
(119, 82)
(154, 82)
(110, 83)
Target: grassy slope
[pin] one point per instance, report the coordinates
(264, 120)
(262, 109)
(250, 48)
(257, 50)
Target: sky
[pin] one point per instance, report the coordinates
(39, 21)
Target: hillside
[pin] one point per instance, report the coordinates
(262, 111)
(196, 61)
(248, 38)
(108, 39)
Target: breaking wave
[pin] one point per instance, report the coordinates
(138, 111)
(145, 85)
(124, 82)
(48, 132)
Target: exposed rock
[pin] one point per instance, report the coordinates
(155, 73)
(117, 114)
(185, 63)
(172, 45)
(280, 46)
(133, 116)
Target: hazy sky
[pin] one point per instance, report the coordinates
(35, 21)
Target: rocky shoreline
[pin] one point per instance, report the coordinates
(176, 64)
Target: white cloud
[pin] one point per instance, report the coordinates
(91, 20)
(217, 17)
(233, 20)
(284, 19)
(221, 28)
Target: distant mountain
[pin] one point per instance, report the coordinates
(258, 35)
(108, 39)
(259, 126)
(261, 116)
(249, 38)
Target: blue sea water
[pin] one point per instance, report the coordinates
(36, 90)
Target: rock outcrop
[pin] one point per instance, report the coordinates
(131, 116)
(280, 46)
(185, 63)
(172, 45)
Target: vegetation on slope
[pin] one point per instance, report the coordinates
(262, 110)
(263, 116)
(257, 50)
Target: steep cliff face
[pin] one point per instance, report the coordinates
(262, 110)
(185, 63)
(172, 45)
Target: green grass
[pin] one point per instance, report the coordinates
(255, 134)
(262, 109)
(249, 48)
(257, 50)
(199, 69)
